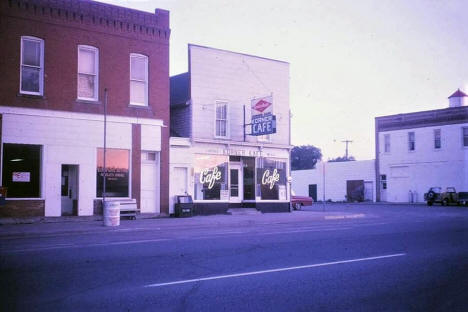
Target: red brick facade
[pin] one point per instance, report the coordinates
(116, 32)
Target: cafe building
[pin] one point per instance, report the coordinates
(230, 132)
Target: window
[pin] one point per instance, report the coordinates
(437, 142)
(465, 136)
(221, 120)
(117, 172)
(411, 141)
(271, 179)
(387, 143)
(383, 181)
(22, 170)
(138, 80)
(32, 66)
(210, 173)
(88, 73)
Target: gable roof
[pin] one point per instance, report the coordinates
(458, 93)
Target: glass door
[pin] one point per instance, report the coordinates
(235, 183)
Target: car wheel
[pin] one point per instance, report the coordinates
(445, 202)
(431, 194)
(429, 203)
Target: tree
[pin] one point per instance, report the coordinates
(305, 157)
(342, 158)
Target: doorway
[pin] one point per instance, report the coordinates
(69, 190)
(235, 183)
(313, 191)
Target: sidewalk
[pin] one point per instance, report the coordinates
(40, 226)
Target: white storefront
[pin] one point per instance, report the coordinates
(223, 165)
(56, 158)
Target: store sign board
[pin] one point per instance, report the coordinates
(263, 124)
(21, 177)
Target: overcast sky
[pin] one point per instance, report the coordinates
(350, 60)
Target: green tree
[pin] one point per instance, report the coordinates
(342, 158)
(305, 157)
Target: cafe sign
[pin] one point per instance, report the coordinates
(210, 176)
(263, 121)
(270, 178)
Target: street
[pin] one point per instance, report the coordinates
(348, 257)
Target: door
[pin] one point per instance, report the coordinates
(69, 190)
(149, 200)
(368, 191)
(179, 181)
(355, 190)
(313, 191)
(235, 183)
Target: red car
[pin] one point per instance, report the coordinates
(298, 201)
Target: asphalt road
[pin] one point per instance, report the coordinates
(397, 259)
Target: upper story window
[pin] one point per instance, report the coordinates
(32, 66)
(221, 119)
(88, 73)
(465, 136)
(411, 141)
(138, 79)
(437, 139)
(387, 143)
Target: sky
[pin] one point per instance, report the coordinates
(350, 61)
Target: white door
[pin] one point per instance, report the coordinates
(149, 199)
(179, 181)
(368, 191)
(235, 183)
(69, 190)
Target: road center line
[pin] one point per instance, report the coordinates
(301, 267)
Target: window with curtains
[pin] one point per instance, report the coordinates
(88, 73)
(32, 66)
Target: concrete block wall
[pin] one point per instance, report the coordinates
(334, 176)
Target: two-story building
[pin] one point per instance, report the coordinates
(214, 156)
(416, 151)
(65, 64)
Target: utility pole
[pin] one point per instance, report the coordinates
(347, 142)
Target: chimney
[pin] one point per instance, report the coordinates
(458, 99)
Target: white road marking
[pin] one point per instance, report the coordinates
(301, 267)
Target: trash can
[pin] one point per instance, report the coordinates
(184, 206)
(111, 213)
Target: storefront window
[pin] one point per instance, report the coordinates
(117, 163)
(249, 178)
(271, 179)
(210, 177)
(21, 170)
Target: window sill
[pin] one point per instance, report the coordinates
(139, 106)
(31, 96)
(82, 101)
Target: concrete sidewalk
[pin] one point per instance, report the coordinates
(33, 227)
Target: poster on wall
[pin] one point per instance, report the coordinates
(21, 177)
(282, 192)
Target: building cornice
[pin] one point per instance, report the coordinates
(446, 116)
(79, 116)
(240, 143)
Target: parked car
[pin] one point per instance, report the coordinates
(298, 201)
(450, 196)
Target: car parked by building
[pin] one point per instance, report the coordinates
(450, 196)
(297, 201)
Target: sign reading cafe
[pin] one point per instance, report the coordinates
(210, 176)
(263, 121)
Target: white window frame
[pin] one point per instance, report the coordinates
(41, 66)
(440, 139)
(96, 72)
(137, 55)
(226, 120)
(387, 143)
(413, 141)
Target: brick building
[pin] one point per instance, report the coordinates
(60, 56)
